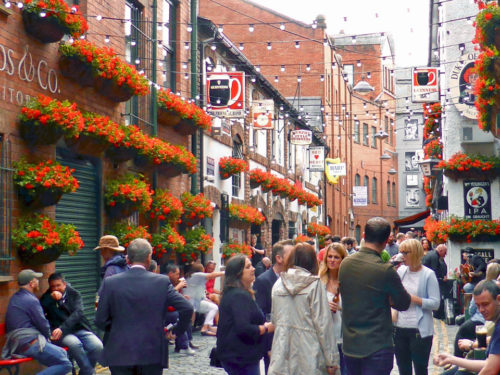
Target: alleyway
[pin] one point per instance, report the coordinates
(199, 363)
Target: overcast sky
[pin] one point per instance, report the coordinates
(406, 20)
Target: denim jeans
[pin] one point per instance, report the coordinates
(52, 356)
(85, 348)
(235, 369)
(378, 363)
(182, 340)
(411, 348)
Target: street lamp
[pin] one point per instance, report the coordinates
(427, 167)
(363, 87)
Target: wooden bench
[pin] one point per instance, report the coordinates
(12, 365)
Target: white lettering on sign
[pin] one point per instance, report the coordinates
(27, 70)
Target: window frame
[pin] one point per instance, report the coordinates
(374, 190)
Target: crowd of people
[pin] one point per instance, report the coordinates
(344, 310)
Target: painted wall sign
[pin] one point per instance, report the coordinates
(316, 159)
(461, 83)
(226, 94)
(477, 200)
(301, 137)
(425, 85)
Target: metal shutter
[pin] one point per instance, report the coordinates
(81, 209)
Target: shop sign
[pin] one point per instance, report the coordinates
(477, 200)
(301, 137)
(333, 169)
(462, 81)
(486, 254)
(263, 112)
(27, 69)
(210, 166)
(425, 85)
(226, 94)
(360, 196)
(316, 159)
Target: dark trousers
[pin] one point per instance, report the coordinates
(466, 331)
(411, 348)
(136, 370)
(378, 363)
(182, 340)
(237, 369)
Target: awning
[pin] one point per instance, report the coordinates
(411, 219)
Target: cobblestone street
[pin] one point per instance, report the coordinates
(199, 364)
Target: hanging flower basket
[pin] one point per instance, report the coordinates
(186, 127)
(231, 249)
(462, 166)
(196, 208)
(166, 207)
(87, 145)
(111, 90)
(43, 184)
(127, 194)
(167, 241)
(77, 70)
(120, 154)
(40, 240)
(314, 229)
(121, 210)
(44, 29)
(246, 214)
(254, 184)
(239, 224)
(126, 233)
(197, 242)
(168, 116)
(170, 170)
(35, 134)
(229, 166)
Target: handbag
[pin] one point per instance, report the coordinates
(214, 359)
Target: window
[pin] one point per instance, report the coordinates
(388, 193)
(291, 229)
(358, 234)
(168, 43)
(365, 134)
(6, 198)
(374, 139)
(367, 184)
(356, 131)
(374, 190)
(394, 194)
(349, 73)
(386, 128)
(237, 153)
(391, 133)
(357, 180)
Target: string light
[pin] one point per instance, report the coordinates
(322, 78)
(106, 39)
(358, 63)
(299, 79)
(308, 67)
(98, 17)
(282, 26)
(186, 45)
(241, 47)
(251, 28)
(297, 44)
(282, 68)
(189, 28)
(276, 79)
(220, 29)
(269, 47)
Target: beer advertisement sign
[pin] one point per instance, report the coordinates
(425, 85)
(477, 200)
(316, 159)
(263, 112)
(226, 94)
(301, 137)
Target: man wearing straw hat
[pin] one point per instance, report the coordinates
(112, 254)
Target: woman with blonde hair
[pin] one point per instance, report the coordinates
(414, 328)
(329, 275)
(303, 342)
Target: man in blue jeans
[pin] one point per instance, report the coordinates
(369, 288)
(63, 308)
(27, 329)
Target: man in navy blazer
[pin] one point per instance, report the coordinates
(132, 308)
(263, 285)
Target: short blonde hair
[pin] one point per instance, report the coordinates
(492, 271)
(414, 249)
(323, 268)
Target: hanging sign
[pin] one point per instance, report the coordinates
(360, 196)
(301, 137)
(425, 85)
(316, 159)
(333, 169)
(263, 112)
(477, 200)
(226, 94)
(462, 81)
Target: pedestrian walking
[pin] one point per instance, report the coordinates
(369, 287)
(303, 340)
(329, 275)
(414, 327)
(132, 308)
(242, 325)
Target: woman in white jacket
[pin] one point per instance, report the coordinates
(303, 342)
(414, 327)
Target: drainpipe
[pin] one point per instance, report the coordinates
(194, 89)
(153, 116)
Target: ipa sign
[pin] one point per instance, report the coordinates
(425, 85)
(316, 159)
(301, 137)
(477, 200)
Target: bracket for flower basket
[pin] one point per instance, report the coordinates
(45, 29)
(87, 145)
(34, 133)
(76, 70)
(186, 127)
(29, 258)
(168, 116)
(110, 89)
(41, 198)
(120, 154)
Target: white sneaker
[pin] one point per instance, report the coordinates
(187, 351)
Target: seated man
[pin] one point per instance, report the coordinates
(63, 308)
(487, 298)
(261, 267)
(27, 329)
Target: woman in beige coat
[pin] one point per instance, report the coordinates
(303, 342)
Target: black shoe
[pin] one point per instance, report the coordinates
(193, 346)
(177, 350)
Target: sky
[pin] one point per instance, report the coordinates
(406, 20)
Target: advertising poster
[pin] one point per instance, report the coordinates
(316, 159)
(263, 112)
(425, 85)
(301, 137)
(477, 200)
(226, 94)
(360, 196)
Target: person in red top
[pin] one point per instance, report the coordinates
(328, 240)
(212, 293)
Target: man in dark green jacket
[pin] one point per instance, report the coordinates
(369, 288)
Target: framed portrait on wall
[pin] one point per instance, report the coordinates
(412, 180)
(411, 161)
(412, 197)
(411, 129)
